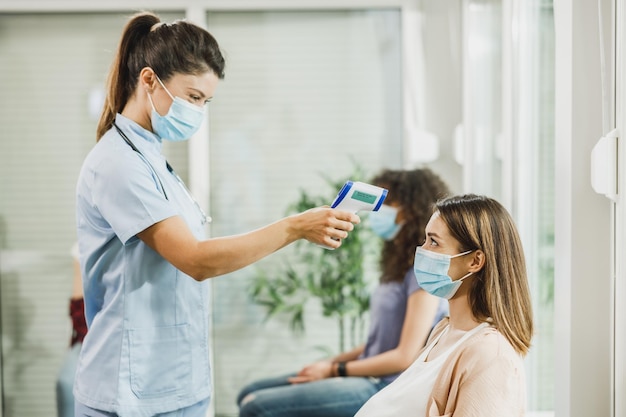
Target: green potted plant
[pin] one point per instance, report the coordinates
(334, 278)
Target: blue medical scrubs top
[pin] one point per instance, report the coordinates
(146, 350)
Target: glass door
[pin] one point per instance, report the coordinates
(508, 148)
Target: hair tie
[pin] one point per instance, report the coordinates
(157, 25)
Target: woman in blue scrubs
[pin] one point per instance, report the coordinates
(143, 254)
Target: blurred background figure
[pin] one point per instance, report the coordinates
(65, 379)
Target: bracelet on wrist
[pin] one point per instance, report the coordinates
(341, 369)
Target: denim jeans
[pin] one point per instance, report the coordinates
(332, 397)
(198, 409)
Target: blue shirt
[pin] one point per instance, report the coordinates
(146, 351)
(387, 312)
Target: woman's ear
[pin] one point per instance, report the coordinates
(147, 79)
(477, 261)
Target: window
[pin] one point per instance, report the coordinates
(509, 136)
(305, 95)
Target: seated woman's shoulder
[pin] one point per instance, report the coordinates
(490, 346)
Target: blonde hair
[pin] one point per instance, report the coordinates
(500, 290)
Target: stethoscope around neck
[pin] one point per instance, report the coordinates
(204, 218)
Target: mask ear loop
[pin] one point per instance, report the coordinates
(151, 102)
(461, 254)
(165, 88)
(465, 276)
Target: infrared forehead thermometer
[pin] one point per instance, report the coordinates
(358, 196)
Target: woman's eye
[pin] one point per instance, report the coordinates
(195, 98)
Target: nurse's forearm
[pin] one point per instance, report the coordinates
(172, 239)
(219, 256)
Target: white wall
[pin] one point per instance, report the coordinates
(619, 389)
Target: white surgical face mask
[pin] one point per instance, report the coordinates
(182, 120)
(431, 271)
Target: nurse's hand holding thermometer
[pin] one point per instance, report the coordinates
(357, 196)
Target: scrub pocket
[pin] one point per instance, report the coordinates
(160, 360)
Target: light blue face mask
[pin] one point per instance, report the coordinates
(431, 271)
(383, 222)
(182, 120)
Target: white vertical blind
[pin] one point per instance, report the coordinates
(304, 95)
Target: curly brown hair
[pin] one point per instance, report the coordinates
(416, 192)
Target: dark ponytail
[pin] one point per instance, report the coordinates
(120, 83)
(180, 47)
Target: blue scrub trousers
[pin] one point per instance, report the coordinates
(197, 410)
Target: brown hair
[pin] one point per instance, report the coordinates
(416, 191)
(500, 289)
(179, 47)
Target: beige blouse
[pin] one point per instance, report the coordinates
(484, 377)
